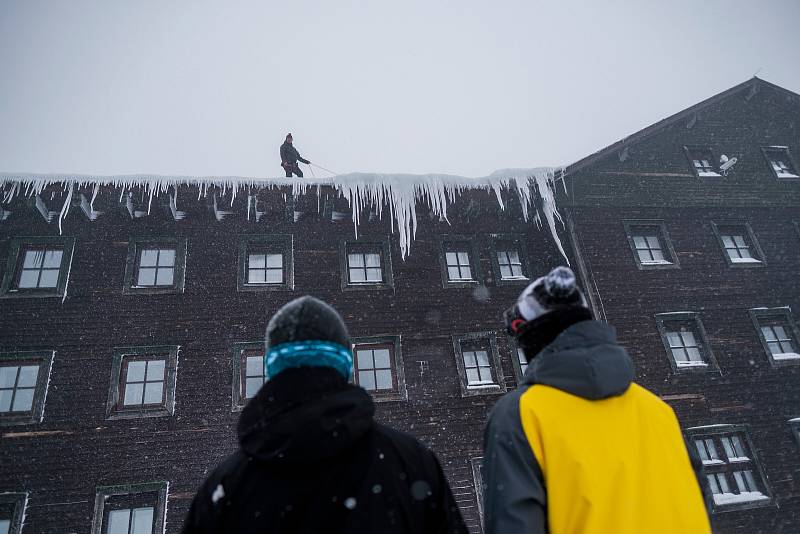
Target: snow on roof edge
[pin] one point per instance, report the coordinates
(400, 191)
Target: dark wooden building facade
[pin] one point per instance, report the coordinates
(130, 336)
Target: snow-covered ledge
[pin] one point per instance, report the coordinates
(400, 192)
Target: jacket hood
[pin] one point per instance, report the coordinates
(584, 360)
(304, 415)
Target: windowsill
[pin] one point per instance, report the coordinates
(690, 365)
(745, 260)
(708, 174)
(128, 413)
(713, 462)
(487, 385)
(785, 176)
(737, 498)
(651, 263)
(786, 356)
(33, 293)
(738, 459)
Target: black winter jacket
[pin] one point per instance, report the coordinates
(313, 460)
(290, 155)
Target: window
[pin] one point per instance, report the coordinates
(778, 333)
(130, 509)
(509, 259)
(23, 386)
(459, 262)
(12, 510)
(685, 341)
(378, 367)
(703, 161)
(249, 372)
(780, 161)
(366, 263)
(739, 243)
(143, 382)
(477, 477)
(795, 426)
(266, 262)
(730, 466)
(38, 267)
(650, 243)
(523, 362)
(478, 363)
(155, 265)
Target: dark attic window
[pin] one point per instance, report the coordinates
(366, 263)
(37, 267)
(703, 162)
(12, 507)
(23, 386)
(780, 161)
(478, 363)
(650, 243)
(778, 333)
(739, 243)
(155, 265)
(249, 372)
(143, 382)
(378, 367)
(730, 466)
(266, 262)
(130, 509)
(685, 342)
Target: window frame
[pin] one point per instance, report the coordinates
(688, 149)
(667, 249)
(476, 464)
(471, 247)
(283, 241)
(496, 242)
(700, 332)
(785, 314)
(400, 392)
(766, 151)
(103, 493)
(753, 245)
(238, 399)
(513, 347)
(379, 243)
(44, 358)
(135, 245)
(499, 386)
(794, 425)
(167, 407)
(13, 266)
(19, 502)
(718, 431)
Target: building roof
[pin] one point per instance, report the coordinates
(753, 84)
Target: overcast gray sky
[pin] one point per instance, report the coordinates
(461, 87)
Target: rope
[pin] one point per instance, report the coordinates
(323, 168)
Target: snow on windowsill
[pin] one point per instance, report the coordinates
(691, 364)
(736, 459)
(534, 188)
(786, 175)
(733, 498)
(786, 356)
(486, 385)
(709, 174)
(713, 462)
(657, 262)
(745, 260)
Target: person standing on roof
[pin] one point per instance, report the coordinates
(311, 457)
(578, 447)
(290, 157)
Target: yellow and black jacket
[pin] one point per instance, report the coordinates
(579, 448)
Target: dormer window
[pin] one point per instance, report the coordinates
(366, 263)
(650, 243)
(780, 161)
(37, 267)
(703, 161)
(739, 243)
(155, 265)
